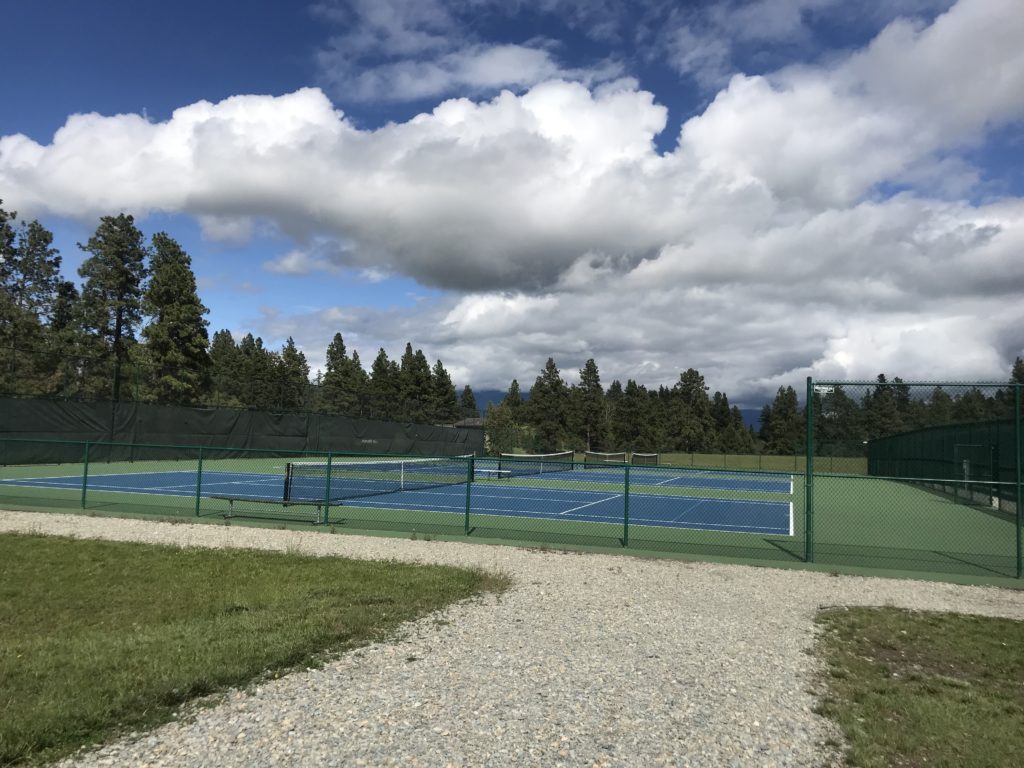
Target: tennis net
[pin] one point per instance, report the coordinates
(316, 481)
(645, 458)
(515, 464)
(598, 459)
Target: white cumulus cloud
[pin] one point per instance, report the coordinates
(762, 248)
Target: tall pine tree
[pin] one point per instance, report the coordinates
(293, 377)
(111, 301)
(444, 402)
(384, 387)
(176, 336)
(547, 408)
(467, 404)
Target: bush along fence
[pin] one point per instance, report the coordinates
(938, 490)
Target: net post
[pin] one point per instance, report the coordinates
(625, 509)
(1019, 480)
(85, 472)
(327, 490)
(809, 477)
(199, 480)
(470, 467)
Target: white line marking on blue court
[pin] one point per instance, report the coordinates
(590, 504)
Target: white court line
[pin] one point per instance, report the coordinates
(670, 480)
(592, 503)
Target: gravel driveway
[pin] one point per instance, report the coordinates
(588, 660)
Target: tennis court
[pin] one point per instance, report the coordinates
(667, 499)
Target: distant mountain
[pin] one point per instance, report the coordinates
(487, 396)
(751, 417)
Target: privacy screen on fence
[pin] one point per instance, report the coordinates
(141, 424)
(964, 453)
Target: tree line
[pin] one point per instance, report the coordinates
(137, 331)
(684, 418)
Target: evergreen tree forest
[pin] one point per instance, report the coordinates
(137, 330)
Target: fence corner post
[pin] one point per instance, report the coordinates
(327, 490)
(85, 472)
(1019, 440)
(199, 479)
(625, 509)
(470, 472)
(809, 477)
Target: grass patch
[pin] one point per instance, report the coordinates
(100, 638)
(924, 689)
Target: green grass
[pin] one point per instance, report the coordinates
(924, 689)
(103, 637)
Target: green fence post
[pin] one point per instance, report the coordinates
(1019, 480)
(625, 510)
(199, 480)
(470, 469)
(85, 472)
(809, 478)
(327, 490)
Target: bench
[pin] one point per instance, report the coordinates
(262, 500)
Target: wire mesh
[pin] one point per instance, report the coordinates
(940, 487)
(895, 476)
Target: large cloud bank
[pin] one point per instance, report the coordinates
(769, 244)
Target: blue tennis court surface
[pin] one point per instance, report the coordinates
(505, 497)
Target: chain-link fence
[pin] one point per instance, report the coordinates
(942, 479)
(930, 480)
(559, 500)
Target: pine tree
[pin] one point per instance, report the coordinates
(225, 370)
(337, 393)
(359, 383)
(467, 404)
(293, 375)
(514, 400)
(881, 413)
(787, 435)
(444, 404)
(414, 386)
(29, 277)
(111, 300)
(547, 408)
(590, 414)
(32, 275)
(691, 426)
(62, 341)
(176, 336)
(384, 387)
(258, 367)
(502, 432)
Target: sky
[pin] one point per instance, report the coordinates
(759, 189)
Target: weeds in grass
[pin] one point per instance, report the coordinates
(101, 638)
(932, 689)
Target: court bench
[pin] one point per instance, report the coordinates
(260, 500)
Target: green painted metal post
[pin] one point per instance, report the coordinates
(199, 480)
(1019, 438)
(809, 478)
(85, 472)
(327, 491)
(625, 510)
(470, 471)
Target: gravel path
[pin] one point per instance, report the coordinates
(589, 660)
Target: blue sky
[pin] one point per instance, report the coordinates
(759, 189)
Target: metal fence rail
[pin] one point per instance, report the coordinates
(942, 523)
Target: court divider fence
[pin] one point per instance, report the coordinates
(965, 520)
